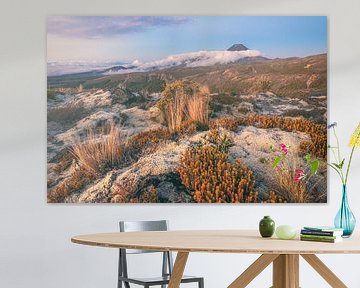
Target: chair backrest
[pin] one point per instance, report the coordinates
(138, 226)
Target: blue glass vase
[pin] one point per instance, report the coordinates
(345, 219)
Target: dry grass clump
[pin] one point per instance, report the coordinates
(317, 132)
(182, 101)
(198, 106)
(77, 180)
(291, 191)
(175, 112)
(98, 155)
(66, 114)
(311, 189)
(121, 195)
(207, 172)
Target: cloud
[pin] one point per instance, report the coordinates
(195, 59)
(106, 26)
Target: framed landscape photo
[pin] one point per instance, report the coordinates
(187, 109)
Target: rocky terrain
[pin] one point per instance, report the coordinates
(287, 93)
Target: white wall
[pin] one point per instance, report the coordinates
(35, 248)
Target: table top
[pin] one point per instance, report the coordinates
(217, 241)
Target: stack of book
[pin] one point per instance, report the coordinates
(321, 234)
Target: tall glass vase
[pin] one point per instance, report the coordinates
(345, 219)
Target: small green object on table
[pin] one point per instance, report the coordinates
(266, 227)
(285, 232)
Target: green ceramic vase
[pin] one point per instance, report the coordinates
(267, 227)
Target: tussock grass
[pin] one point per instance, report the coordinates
(97, 155)
(293, 192)
(183, 102)
(175, 113)
(198, 106)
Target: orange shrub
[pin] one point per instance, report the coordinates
(207, 172)
(229, 123)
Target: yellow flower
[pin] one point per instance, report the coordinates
(355, 138)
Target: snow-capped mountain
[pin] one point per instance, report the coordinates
(234, 54)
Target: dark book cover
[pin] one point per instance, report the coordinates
(320, 233)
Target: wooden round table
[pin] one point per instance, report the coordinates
(284, 254)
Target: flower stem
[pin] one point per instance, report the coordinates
(348, 167)
(351, 156)
(338, 145)
(340, 159)
(337, 171)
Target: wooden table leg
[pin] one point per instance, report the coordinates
(286, 271)
(253, 270)
(324, 271)
(178, 269)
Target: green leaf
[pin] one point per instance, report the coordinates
(342, 163)
(334, 167)
(308, 157)
(277, 161)
(314, 166)
(339, 166)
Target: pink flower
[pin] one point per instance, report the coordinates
(284, 149)
(299, 174)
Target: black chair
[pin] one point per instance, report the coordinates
(167, 265)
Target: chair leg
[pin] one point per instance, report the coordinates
(120, 273)
(164, 266)
(201, 283)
